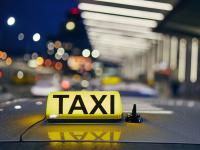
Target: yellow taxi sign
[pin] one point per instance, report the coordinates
(83, 105)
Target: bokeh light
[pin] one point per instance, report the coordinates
(58, 66)
(40, 61)
(36, 37)
(95, 53)
(20, 36)
(11, 21)
(86, 53)
(70, 25)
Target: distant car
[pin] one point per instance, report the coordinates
(133, 89)
(44, 86)
(4, 94)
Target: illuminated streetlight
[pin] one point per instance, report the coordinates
(11, 21)
(36, 37)
(95, 53)
(86, 53)
(70, 25)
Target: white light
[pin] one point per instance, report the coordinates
(20, 74)
(182, 60)
(84, 83)
(38, 103)
(95, 53)
(57, 56)
(32, 63)
(70, 25)
(119, 19)
(50, 46)
(53, 116)
(119, 27)
(86, 53)
(20, 36)
(61, 51)
(17, 106)
(194, 60)
(36, 37)
(121, 11)
(142, 3)
(11, 21)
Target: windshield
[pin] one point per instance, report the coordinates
(147, 50)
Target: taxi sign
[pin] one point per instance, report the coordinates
(69, 106)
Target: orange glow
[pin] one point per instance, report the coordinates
(9, 61)
(58, 66)
(65, 84)
(58, 44)
(1, 54)
(48, 62)
(4, 56)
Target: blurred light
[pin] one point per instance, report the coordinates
(75, 11)
(58, 44)
(86, 53)
(58, 66)
(121, 11)
(61, 51)
(4, 56)
(9, 61)
(39, 61)
(17, 106)
(120, 27)
(50, 46)
(53, 116)
(11, 21)
(50, 52)
(34, 55)
(57, 56)
(65, 56)
(20, 74)
(65, 84)
(70, 25)
(48, 62)
(32, 63)
(84, 83)
(142, 3)
(1, 109)
(95, 53)
(38, 103)
(182, 60)
(20, 36)
(119, 19)
(194, 60)
(173, 52)
(27, 57)
(1, 54)
(36, 37)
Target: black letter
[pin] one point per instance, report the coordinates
(112, 104)
(98, 104)
(60, 97)
(82, 106)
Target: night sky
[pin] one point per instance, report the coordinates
(47, 17)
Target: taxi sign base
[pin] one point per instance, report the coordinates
(83, 120)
